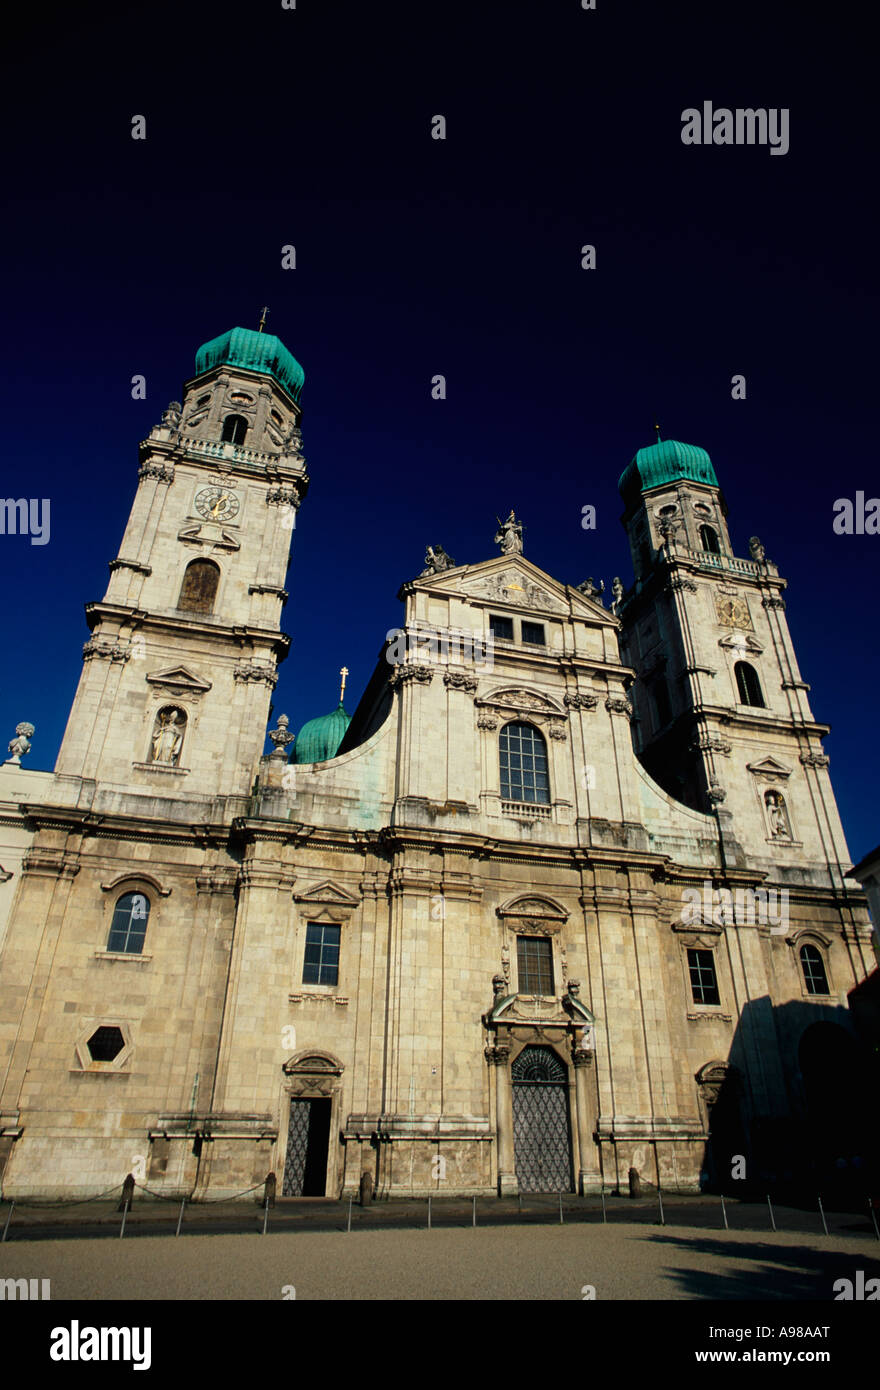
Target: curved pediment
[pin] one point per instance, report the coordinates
(522, 701)
(533, 905)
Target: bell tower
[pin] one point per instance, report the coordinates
(722, 717)
(179, 669)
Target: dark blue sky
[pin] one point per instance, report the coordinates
(461, 257)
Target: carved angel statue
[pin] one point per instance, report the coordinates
(777, 816)
(167, 738)
(509, 535)
(21, 744)
(293, 443)
(616, 593)
(436, 560)
(171, 416)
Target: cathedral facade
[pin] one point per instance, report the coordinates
(567, 896)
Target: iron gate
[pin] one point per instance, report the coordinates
(541, 1133)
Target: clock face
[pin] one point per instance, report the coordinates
(217, 504)
(734, 612)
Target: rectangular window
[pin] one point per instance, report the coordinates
(534, 958)
(704, 985)
(534, 633)
(501, 627)
(321, 966)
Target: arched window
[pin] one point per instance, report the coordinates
(709, 540)
(166, 742)
(523, 764)
(748, 685)
(777, 815)
(235, 428)
(813, 967)
(129, 925)
(199, 588)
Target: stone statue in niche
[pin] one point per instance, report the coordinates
(168, 737)
(777, 815)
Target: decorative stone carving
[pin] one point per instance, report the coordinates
(716, 793)
(521, 699)
(152, 468)
(677, 582)
(511, 586)
(402, 675)
(757, 551)
(436, 561)
(710, 743)
(21, 744)
(774, 603)
(815, 759)
(497, 1055)
(253, 671)
(171, 416)
(615, 705)
(557, 731)
(509, 535)
(108, 651)
(668, 528)
(487, 721)
(281, 737)
(282, 497)
(457, 680)
(579, 701)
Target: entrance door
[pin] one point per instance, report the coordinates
(541, 1131)
(308, 1138)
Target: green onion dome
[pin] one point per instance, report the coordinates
(318, 739)
(259, 352)
(665, 462)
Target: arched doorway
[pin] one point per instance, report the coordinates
(541, 1129)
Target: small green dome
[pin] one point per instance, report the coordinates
(260, 352)
(318, 739)
(664, 462)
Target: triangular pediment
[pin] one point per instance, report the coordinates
(506, 580)
(181, 679)
(329, 894)
(769, 767)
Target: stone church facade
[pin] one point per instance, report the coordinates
(566, 900)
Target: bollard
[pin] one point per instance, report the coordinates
(269, 1192)
(366, 1189)
(8, 1219)
(822, 1214)
(127, 1197)
(180, 1217)
(724, 1213)
(660, 1200)
(474, 1222)
(350, 1200)
(770, 1208)
(635, 1183)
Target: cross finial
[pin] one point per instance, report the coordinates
(343, 673)
(264, 313)
(657, 440)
